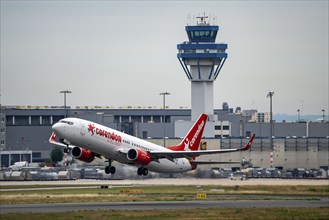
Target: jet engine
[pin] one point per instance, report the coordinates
(139, 156)
(83, 154)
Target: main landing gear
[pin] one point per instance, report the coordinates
(66, 150)
(110, 169)
(142, 171)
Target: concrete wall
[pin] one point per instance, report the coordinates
(284, 129)
(26, 138)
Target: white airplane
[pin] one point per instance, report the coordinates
(87, 140)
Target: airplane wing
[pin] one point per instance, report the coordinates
(191, 154)
(205, 162)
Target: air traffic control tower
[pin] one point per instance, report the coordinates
(202, 60)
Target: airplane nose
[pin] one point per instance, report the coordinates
(56, 127)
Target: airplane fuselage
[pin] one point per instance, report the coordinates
(111, 144)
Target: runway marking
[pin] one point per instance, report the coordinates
(131, 191)
(201, 195)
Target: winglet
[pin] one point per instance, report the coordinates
(248, 145)
(52, 138)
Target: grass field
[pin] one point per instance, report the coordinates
(155, 193)
(92, 193)
(213, 213)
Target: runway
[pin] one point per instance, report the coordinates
(65, 207)
(257, 202)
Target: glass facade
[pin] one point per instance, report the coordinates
(35, 120)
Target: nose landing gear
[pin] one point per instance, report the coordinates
(67, 148)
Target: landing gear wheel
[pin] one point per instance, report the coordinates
(110, 170)
(142, 171)
(66, 150)
(145, 171)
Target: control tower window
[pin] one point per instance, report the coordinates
(212, 34)
(202, 35)
(191, 34)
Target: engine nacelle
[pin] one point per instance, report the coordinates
(83, 154)
(139, 156)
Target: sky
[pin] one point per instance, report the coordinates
(124, 53)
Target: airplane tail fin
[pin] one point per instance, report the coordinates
(191, 141)
(248, 145)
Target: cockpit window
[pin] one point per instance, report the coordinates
(66, 122)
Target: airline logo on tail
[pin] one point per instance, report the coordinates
(189, 144)
(192, 139)
(200, 127)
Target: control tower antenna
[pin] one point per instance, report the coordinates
(202, 60)
(202, 20)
